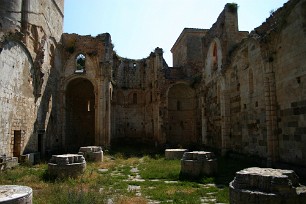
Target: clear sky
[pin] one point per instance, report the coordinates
(137, 27)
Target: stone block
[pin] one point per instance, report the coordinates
(198, 163)
(27, 158)
(8, 162)
(175, 153)
(92, 153)
(66, 165)
(266, 185)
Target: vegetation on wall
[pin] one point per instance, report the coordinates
(232, 7)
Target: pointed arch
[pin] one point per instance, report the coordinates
(214, 57)
(80, 61)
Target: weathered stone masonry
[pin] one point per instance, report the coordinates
(229, 90)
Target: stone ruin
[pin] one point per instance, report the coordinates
(92, 153)
(13, 194)
(7, 162)
(266, 185)
(175, 153)
(198, 163)
(225, 86)
(66, 165)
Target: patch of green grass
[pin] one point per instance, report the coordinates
(160, 168)
(161, 182)
(223, 195)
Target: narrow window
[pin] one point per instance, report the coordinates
(251, 82)
(215, 54)
(134, 98)
(178, 105)
(80, 64)
(88, 105)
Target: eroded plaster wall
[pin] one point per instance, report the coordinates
(135, 105)
(18, 108)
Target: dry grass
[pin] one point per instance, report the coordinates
(98, 187)
(131, 200)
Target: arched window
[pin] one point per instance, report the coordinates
(80, 63)
(214, 57)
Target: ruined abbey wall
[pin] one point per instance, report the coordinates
(85, 91)
(253, 97)
(29, 36)
(135, 105)
(290, 75)
(229, 90)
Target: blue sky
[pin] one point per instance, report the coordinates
(137, 27)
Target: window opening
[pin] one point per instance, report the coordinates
(134, 98)
(80, 63)
(178, 105)
(215, 55)
(88, 105)
(251, 82)
(40, 143)
(17, 143)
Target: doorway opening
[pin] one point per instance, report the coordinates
(17, 143)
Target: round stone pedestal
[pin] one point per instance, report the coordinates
(92, 153)
(13, 194)
(67, 165)
(198, 163)
(266, 185)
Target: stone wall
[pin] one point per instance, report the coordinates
(17, 100)
(247, 103)
(135, 104)
(88, 110)
(228, 89)
(254, 102)
(290, 76)
(29, 34)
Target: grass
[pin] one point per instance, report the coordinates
(160, 182)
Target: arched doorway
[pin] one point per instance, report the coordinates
(80, 114)
(181, 116)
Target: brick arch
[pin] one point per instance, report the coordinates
(181, 116)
